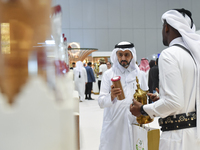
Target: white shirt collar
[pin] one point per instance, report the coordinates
(178, 40)
(122, 69)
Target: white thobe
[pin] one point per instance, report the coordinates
(117, 120)
(102, 68)
(146, 75)
(177, 95)
(80, 82)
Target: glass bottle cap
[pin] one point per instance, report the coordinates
(117, 78)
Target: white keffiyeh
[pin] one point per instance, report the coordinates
(115, 61)
(192, 40)
(132, 66)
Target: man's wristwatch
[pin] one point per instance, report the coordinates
(142, 111)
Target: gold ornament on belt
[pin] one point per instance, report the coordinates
(141, 96)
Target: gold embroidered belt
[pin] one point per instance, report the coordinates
(181, 121)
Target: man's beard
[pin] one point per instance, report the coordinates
(125, 65)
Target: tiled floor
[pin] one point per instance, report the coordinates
(91, 118)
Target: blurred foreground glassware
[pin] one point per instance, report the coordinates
(24, 23)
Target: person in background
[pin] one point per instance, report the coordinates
(90, 78)
(73, 65)
(178, 103)
(80, 79)
(117, 120)
(153, 81)
(108, 65)
(151, 63)
(144, 66)
(102, 69)
(154, 75)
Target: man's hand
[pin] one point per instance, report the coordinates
(154, 97)
(99, 73)
(135, 108)
(115, 92)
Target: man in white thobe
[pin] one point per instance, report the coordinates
(144, 66)
(102, 69)
(117, 120)
(80, 79)
(178, 103)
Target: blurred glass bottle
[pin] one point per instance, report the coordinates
(24, 24)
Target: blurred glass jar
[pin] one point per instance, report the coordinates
(23, 24)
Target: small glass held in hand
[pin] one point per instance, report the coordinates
(117, 83)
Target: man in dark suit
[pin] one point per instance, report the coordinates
(150, 80)
(154, 77)
(91, 78)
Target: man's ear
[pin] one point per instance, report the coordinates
(166, 28)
